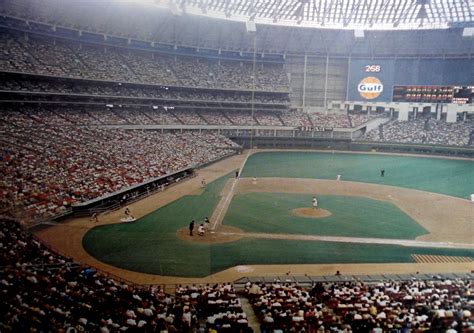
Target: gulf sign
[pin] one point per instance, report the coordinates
(370, 87)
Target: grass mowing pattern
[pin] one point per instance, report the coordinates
(451, 177)
(150, 245)
(351, 216)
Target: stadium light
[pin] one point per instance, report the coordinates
(174, 9)
(359, 34)
(468, 32)
(250, 27)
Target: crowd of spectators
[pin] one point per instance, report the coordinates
(388, 306)
(424, 130)
(49, 162)
(374, 135)
(357, 119)
(158, 116)
(93, 115)
(47, 167)
(268, 118)
(41, 55)
(339, 120)
(190, 117)
(241, 117)
(219, 305)
(452, 134)
(412, 131)
(43, 291)
(328, 120)
(296, 119)
(215, 117)
(146, 115)
(114, 89)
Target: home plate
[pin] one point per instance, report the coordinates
(243, 269)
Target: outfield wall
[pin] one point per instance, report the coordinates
(347, 144)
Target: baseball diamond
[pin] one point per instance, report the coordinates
(372, 221)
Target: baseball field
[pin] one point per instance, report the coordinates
(418, 212)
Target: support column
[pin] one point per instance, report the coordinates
(326, 85)
(253, 87)
(348, 76)
(403, 113)
(303, 102)
(439, 109)
(451, 115)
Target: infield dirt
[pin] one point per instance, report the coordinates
(448, 219)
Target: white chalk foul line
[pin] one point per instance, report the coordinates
(223, 207)
(389, 241)
(228, 197)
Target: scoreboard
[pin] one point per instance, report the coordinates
(423, 94)
(433, 94)
(410, 80)
(463, 94)
(370, 80)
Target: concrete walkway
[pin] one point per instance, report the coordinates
(251, 317)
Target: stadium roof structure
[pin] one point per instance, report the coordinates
(337, 14)
(171, 24)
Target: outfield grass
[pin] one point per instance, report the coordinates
(263, 251)
(445, 176)
(351, 216)
(150, 245)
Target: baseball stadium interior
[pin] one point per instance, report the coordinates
(237, 166)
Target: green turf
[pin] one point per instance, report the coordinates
(351, 216)
(451, 177)
(150, 245)
(248, 251)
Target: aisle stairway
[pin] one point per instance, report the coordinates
(251, 317)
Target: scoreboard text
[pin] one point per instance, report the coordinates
(433, 94)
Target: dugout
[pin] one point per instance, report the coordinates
(130, 194)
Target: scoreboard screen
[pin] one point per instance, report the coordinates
(423, 94)
(433, 94)
(463, 95)
(410, 80)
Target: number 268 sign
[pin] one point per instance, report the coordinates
(372, 68)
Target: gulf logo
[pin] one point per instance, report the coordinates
(370, 87)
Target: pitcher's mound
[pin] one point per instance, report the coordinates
(311, 212)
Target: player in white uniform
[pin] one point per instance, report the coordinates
(315, 202)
